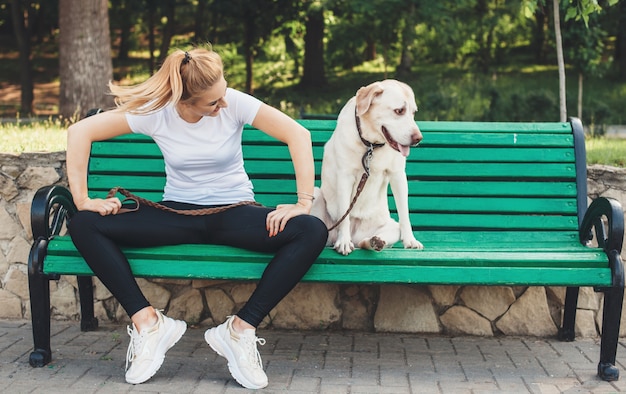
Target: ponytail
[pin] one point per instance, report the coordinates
(182, 77)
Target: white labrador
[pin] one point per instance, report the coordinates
(380, 118)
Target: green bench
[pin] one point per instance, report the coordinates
(493, 203)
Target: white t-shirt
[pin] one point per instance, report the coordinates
(203, 160)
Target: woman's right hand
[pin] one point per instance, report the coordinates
(108, 206)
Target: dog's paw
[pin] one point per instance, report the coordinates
(373, 243)
(412, 244)
(344, 248)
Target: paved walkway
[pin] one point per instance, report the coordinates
(310, 362)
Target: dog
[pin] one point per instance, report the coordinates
(375, 131)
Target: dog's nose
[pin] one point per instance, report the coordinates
(416, 138)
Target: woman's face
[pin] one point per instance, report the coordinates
(210, 103)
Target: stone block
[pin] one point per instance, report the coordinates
(9, 228)
(460, 320)
(16, 281)
(405, 309)
(36, 177)
(157, 296)
(529, 315)
(444, 296)
(310, 306)
(220, 304)
(18, 250)
(11, 305)
(188, 307)
(489, 301)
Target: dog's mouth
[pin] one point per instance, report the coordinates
(403, 149)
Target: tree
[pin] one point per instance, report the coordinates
(313, 74)
(408, 39)
(620, 44)
(251, 23)
(585, 51)
(560, 61)
(20, 18)
(540, 26)
(577, 10)
(85, 65)
(168, 29)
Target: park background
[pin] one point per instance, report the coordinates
(474, 60)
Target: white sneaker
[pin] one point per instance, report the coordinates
(146, 350)
(244, 360)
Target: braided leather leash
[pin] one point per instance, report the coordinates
(190, 212)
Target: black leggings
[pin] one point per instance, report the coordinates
(98, 239)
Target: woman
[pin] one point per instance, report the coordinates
(197, 122)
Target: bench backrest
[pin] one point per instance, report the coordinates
(470, 182)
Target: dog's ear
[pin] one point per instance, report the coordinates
(365, 96)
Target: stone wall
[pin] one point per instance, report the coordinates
(470, 310)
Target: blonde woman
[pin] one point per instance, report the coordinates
(197, 122)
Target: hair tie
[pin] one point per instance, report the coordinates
(187, 58)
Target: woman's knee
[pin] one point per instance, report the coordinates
(313, 229)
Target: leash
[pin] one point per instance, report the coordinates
(190, 212)
(366, 159)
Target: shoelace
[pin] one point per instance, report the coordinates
(253, 353)
(136, 340)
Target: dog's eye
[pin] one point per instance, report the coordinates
(400, 111)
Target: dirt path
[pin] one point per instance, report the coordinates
(46, 99)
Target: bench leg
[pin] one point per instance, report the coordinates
(85, 291)
(39, 289)
(611, 317)
(568, 332)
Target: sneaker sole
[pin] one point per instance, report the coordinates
(170, 340)
(218, 345)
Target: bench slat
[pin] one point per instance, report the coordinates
(518, 140)
(525, 171)
(460, 255)
(497, 127)
(360, 273)
(438, 188)
(422, 221)
(424, 153)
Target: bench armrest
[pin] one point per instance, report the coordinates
(609, 233)
(606, 216)
(52, 206)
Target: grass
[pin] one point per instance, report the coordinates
(47, 135)
(608, 151)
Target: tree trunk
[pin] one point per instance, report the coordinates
(620, 45)
(85, 65)
(168, 30)
(408, 39)
(560, 61)
(22, 37)
(580, 95)
(313, 74)
(249, 34)
(199, 31)
(539, 36)
(151, 35)
(126, 24)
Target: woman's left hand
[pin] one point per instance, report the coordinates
(277, 219)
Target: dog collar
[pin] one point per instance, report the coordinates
(367, 156)
(358, 128)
